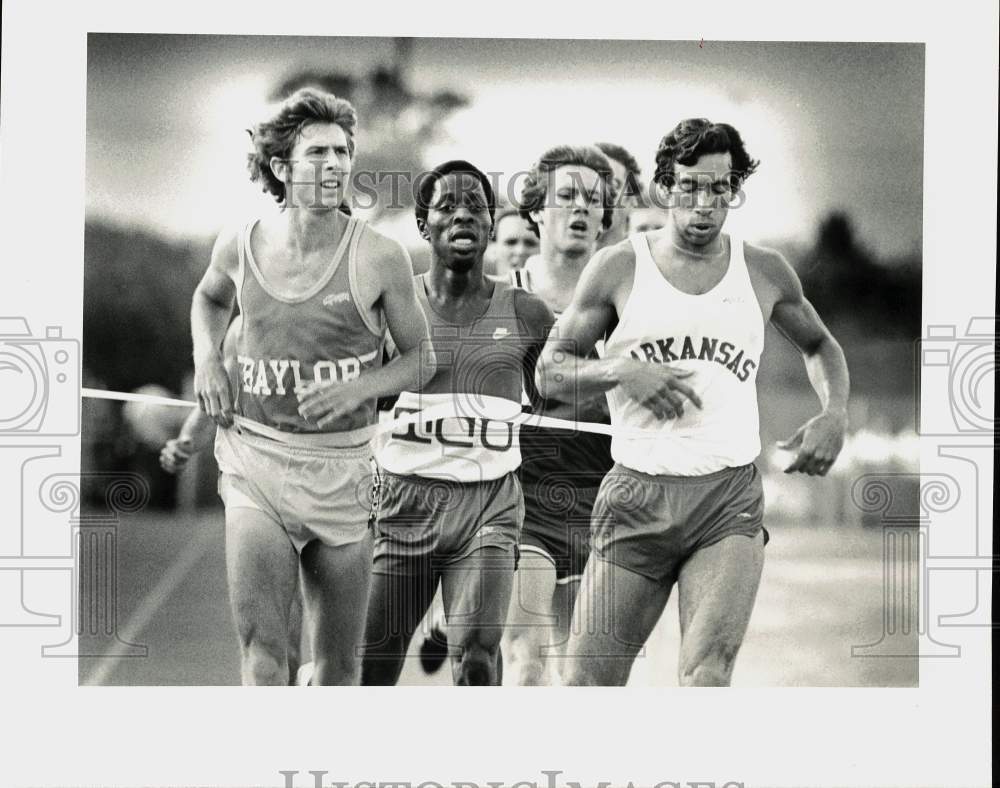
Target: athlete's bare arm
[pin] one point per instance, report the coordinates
(393, 287)
(198, 430)
(594, 409)
(537, 321)
(817, 442)
(211, 308)
(195, 435)
(564, 372)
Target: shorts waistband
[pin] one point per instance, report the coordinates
(673, 479)
(334, 444)
(437, 482)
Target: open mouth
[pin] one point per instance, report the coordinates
(330, 183)
(463, 239)
(578, 226)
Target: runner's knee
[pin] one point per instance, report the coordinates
(526, 664)
(589, 671)
(529, 672)
(339, 670)
(477, 665)
(258, 633)
(264, 666)
(714, 670)
(573, 673)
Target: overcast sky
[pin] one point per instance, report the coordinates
(836, 126)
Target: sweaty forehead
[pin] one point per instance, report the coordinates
(709, 165)
(461, 185)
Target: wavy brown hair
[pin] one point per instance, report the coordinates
(277, 135)
(535, 190)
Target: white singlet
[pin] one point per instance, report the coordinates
(479, 371)
(719, 336)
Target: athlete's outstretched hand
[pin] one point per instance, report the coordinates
(324, 403)
(175, 454)
(211, 387)
(816, 443)
(659, 388)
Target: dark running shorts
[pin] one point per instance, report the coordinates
(427, 524)
(561, 471)
(557, 524)
(653, 524)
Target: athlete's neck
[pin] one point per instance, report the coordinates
(452, 284)
(308, 230)
(707, 251)
(563, 266)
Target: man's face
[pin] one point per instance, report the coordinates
(623, 205)
(570, 219)
(515, 243)
(645, 220)
(700, 197)
(318, 169)
(458, 221)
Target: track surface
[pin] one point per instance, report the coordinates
(821, 593)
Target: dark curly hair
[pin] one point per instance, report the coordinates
(536, 184)
(425, 191)
(632, 186)
(695, 137)
(277, 135)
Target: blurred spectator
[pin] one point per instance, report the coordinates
(650, 213)
(846, 283)
(513, 242)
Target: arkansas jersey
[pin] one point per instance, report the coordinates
(719, 337)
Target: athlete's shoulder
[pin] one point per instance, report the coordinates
(226, 249)
(760, 255)
(376, 244)
(611, 267)
(529, 308)
(618, 256)
(771, 265)
(386, 262)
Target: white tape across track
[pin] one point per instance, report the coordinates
(460, 406)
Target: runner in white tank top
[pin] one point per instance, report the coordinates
(683, 310)
(317, 290)
(718, 337)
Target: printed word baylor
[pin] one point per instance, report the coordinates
(266, 377)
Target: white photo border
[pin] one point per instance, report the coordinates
(56, 733)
